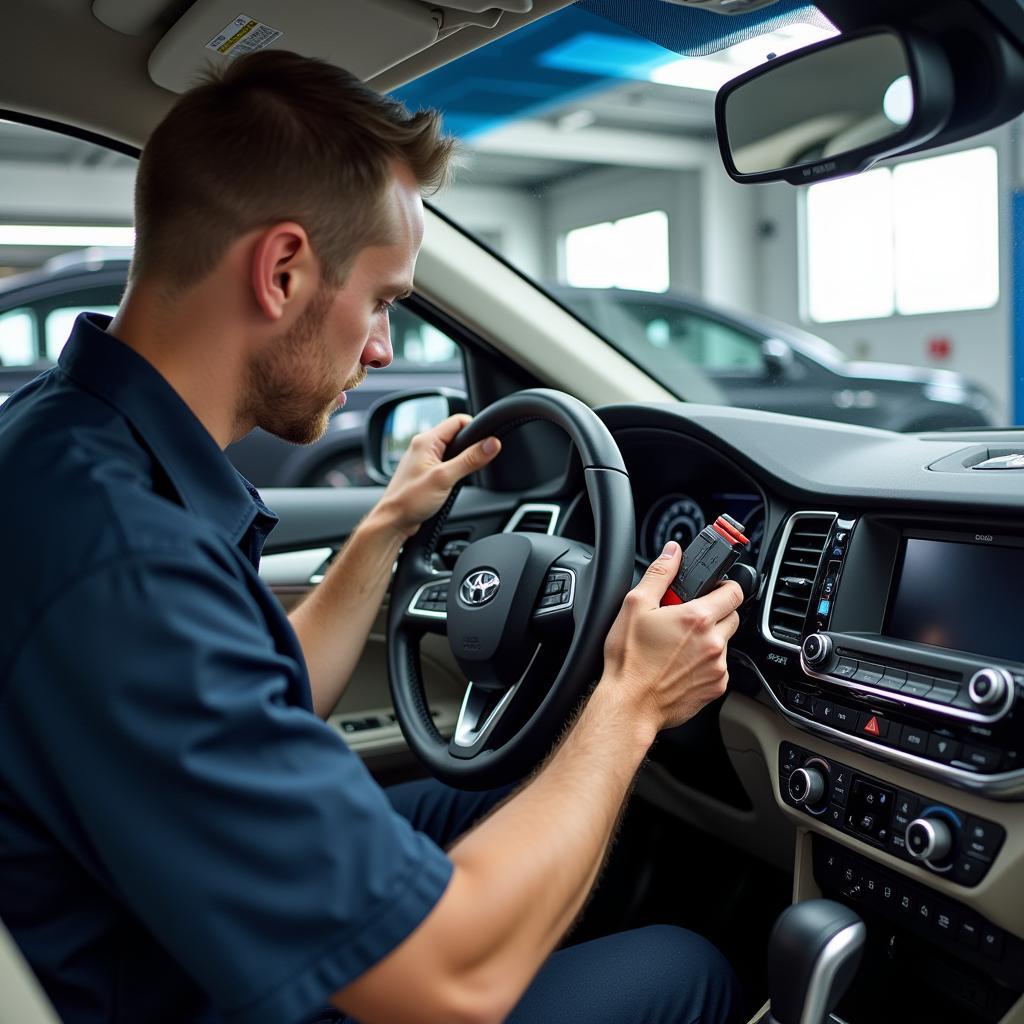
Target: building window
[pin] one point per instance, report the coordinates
(922, 237)
(627, 253)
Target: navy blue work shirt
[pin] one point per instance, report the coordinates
(181, 838)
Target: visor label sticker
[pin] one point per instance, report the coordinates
(243, 35)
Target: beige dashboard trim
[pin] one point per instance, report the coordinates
(999, 896)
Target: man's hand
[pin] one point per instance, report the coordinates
(422, 481)
(670, 661)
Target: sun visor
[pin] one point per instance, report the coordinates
(364, 36)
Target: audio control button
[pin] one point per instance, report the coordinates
(846, 669)
(893, 679)
(983, 838)
(942, 693)
(988, 687)
(916, 687)
(868, 673)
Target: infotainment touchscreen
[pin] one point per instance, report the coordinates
(962, 596)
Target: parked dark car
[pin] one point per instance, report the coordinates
(743, 360)
(38, 308)
(758, 363)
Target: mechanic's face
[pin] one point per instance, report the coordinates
(300, 379)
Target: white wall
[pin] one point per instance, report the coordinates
(510, 216)
(981, 339)
(614, 193)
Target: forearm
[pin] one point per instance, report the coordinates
(521, 877)
(332, 624)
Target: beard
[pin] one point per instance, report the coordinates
(290, 387)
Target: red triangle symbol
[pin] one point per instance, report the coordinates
(872, 726)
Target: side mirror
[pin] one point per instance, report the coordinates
(777, 357)
(393, 421)
(834, 108)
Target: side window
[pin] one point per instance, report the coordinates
(17, 338)
(419, 345)
(709, 344)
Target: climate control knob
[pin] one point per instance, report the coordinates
(807, 786)
(817, 649)
(928, 839)
(989, 687)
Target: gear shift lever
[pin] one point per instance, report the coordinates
(813, 954)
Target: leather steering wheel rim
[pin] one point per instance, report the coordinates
(598, 590)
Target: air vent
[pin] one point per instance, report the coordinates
(796, 565)
(533, 519)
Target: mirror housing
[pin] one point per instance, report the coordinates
(778, 357)
(889, 92)
(411, 411)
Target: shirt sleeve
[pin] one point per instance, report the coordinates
(239, 829)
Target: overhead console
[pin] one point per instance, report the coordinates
(903, 637)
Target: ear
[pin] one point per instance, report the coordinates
(283, 268)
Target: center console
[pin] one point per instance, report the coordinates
(902, 637)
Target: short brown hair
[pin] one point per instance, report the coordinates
(276, 136)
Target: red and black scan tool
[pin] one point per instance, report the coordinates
(711, 554)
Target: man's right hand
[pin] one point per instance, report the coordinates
(670, 661)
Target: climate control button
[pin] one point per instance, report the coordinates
(929, 839)
(808, 786)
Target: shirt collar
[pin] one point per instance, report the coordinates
(205, 481)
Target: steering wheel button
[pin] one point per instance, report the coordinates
(550, 601)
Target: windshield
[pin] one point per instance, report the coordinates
(591, 163)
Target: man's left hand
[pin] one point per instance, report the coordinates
(423, 481)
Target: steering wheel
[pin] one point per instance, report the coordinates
(525, 614)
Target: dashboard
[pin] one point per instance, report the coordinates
(879, 671)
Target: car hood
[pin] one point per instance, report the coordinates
(910, 374)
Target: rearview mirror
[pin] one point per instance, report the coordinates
(395, 420)
(834, 108)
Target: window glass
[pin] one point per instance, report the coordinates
(627, 253)
(416, 342)
(17, 338)
(946, 227)
(709, 344)
(922, 237)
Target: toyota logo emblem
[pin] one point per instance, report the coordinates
(479, 587)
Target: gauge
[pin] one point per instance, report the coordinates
(675, 517)
(755, 531)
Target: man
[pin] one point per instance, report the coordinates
(182, 838)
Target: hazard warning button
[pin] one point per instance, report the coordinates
(873, 726)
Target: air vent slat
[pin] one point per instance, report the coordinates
(533, 519)
(795, 571)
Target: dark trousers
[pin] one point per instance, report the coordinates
(655, 975)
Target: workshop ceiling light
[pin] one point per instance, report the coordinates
(65, 235)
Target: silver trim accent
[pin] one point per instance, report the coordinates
(466, 733)
(919, 702)
(1001, 786)
(517, 516)
(998, 675)
(572, 592)
(777, 565)
(837, 951)
(426, 613)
